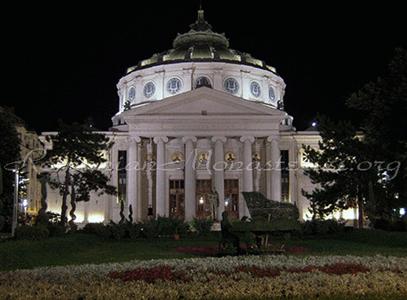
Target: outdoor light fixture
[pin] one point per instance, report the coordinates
(201, 200)
(314, 124)
(226, 203)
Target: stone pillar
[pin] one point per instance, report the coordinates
(219, 172)
(132, 177)
(190, 179)
(293, 166)
(247, 168)
(276, 168)
(112, 181)
(160, 176)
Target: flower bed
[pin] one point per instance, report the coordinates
(214, 278)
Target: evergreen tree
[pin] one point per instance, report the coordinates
(9, 153)
(369, 167)
(339, 173)
(78, 153)
(382, 106)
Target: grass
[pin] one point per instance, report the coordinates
(85, 248)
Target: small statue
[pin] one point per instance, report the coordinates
(214, 203)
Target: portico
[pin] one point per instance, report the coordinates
(197, 153)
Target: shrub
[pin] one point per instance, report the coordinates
(56, 229)
(164, 227)
(26, 232)
(202, 226)
(322, 227)
(93, 228)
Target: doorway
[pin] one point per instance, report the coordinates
(177, 199)
(232, 198)
(203, 206)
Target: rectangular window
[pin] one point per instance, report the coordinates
(285, 176)
(122, 176)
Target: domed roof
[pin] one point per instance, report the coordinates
(201, 44)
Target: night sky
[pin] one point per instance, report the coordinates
(64, 62)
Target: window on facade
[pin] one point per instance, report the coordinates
(203, 81)
(231, 85)
(177, 199)
(149, 89)
(285, 176)
(255, 89)
(122, 176)
(174, 85)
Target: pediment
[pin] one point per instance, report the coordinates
(204, 101)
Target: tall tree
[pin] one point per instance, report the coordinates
(368, 168)
(382, 107)
(77, 154)
(9, 153)
(338, 170)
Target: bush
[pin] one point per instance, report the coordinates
(26, 232)
(202, 226)
(56, 229)
(322, 227)
(164, 227)
(390, 225)
(93, 228)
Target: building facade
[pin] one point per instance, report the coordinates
(195, 121)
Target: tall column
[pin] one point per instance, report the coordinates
(132, 177)
(276, 168)
(219, 172)
(160, 176)
(247, 168)
(112, 181)
(293, 166)
(190, 179)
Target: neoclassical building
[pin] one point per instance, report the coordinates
(198, 119)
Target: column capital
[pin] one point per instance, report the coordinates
(189, 138)
(162, 139)
(219, 138)
(133, 139)
(247, 138)
(273, 137)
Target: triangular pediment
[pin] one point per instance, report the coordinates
(204, 101)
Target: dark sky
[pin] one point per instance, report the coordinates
(64, 61)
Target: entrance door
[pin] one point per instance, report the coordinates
(177, 199)
(232, 198)
(203, 206)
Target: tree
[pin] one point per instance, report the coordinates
(339, 172)
(382, 107)
(78, 153)
(369, 168)
(9, 153)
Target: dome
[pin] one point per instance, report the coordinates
(201, 44)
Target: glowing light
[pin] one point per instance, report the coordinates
(402, 211)
(96, 218)
(25, 203)
(79, 218)
(226, 203)
(314, 124)
(201, 200)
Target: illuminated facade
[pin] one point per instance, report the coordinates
(196, 120)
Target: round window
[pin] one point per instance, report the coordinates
(174, 85)
(272, 94)
(255, 89)
(149, 89)
(132, 93)
(231, 85)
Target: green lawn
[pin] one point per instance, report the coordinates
(84, 248)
